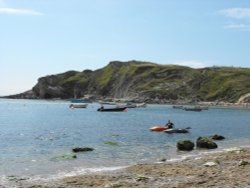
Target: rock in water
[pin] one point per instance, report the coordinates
(80, 149)
(205, 142)
(185, 145)
(217, 137)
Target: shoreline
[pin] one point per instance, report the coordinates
(225, 171)
(211, 104)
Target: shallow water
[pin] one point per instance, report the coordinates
(34, 132)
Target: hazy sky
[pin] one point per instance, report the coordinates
(42, 37)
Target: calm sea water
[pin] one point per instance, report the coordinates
(34, 132)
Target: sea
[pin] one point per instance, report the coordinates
(35, 133)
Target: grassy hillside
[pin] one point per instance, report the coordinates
(225, 83)
(148, 81)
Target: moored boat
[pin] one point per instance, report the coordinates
(132, 105)
(117, 109)
(72, 106)
(141, 105)
(177, 106)
(128, 105)
(177, 130)
(83, 100)
(107, 103)
(195, 108)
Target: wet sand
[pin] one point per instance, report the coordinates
(228, 171)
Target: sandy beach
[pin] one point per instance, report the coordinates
(222, 169)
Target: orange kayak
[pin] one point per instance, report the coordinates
(158, 128)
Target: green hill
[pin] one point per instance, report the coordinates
(146, 81)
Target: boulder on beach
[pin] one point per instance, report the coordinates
(210, 163)
(141, 178)
(185, 145)
(81, 149)
(243, 163)
(205, 142)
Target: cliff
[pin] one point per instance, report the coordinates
(145, 81)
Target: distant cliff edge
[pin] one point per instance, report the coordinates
(146, 82)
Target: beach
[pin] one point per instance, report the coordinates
(217, 169)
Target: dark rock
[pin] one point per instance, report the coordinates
(217, 137)
(185, 145)
(244, 163)
(79, 149)
(163, 160)
(205, 142)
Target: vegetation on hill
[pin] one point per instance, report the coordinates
(146, 81)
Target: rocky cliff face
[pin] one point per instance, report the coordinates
(145, 81)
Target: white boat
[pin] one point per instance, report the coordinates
(178, 106)
(107, 103)
(141, 105)
(72, 106)
(195, 108)
(132, 105)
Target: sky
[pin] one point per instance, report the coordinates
(44, 37)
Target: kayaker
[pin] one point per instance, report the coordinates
(169, 125)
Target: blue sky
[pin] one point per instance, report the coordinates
(43, 37)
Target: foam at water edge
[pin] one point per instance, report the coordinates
(76, 172)
(4, 180)
(200, 154)
(182, 158)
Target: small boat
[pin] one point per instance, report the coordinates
(195, 109)
(141, 105)
(132, 105)
(117, 109)
(107, 103)
(72, 106)
(170, 131)
(178, 106)
(158, 128)
(83, 100)
(128, 105)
